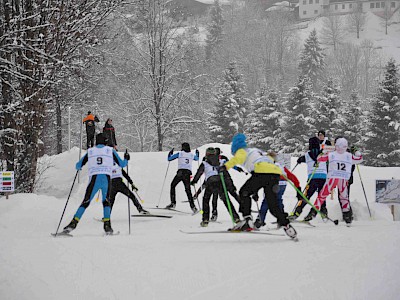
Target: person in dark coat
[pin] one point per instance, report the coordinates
(109, 132)
(323, 140)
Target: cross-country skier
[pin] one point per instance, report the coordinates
(317, 172)
(230, 186)
(100, 160)
(265, 174)
(340, 163)
(213, 183)
(118, 186)
(185, 159)
(89, 122)
(260, 221)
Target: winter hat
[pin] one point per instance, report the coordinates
(211, 151)
(186, 147)
(101, 139)
(313, 143)
(341, 145)
(89, 112)
(322, 132)
(238, 142)
(218, 151)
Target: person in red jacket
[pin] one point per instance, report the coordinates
(282, 187)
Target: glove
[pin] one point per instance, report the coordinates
(127, 156)
(239, 169)
(171, 152)
(221, 169)
(192, 183)
(197, 153)
(255, 197)
(353, 149)
(298, 161)
(134, 187)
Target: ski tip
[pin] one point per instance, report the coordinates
(61, 234)
(111, 233)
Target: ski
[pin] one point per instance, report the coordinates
(111, 233)
(61, 234)
(298, 222)
(303, 222)
(173, 209)
(232, 231)
(151, 215)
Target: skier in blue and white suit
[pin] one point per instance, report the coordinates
(100, 161)
(185, 159)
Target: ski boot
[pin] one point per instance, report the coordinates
(311, 215)
(258, 224)
(71, 226)
(214, 216)
(171, 206)
(348, 217)
(204, 223)
(143, 211)
(294, 215)
(194, 209)
(290, 231)
(245, 225)
(324, 211)
(107, 227)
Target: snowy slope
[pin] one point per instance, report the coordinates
(158, 262)
(373, 30)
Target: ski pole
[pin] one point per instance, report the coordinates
(198, 203)
(258, 209)
(197, 194)
(305, 188)
(137, 196)
(162, 188)
(65, 207)
(294, 167)
(129, 203)
(365, 195)
(228, 201)
(336, 222)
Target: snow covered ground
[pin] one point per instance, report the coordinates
(373, 30)
(157, 261)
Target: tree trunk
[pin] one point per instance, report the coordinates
(58, 125)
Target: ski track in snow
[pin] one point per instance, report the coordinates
(158, 262)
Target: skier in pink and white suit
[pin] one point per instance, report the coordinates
(339, 172)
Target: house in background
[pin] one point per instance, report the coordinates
(313, 8)
(193, 10)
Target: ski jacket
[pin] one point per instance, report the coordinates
(254, 160)
(310, 158)
(340, 164)
(100, 159)
(89, 122)
(208, 170)
(118, 172)
(109, 132)
(185, 159)
(290, 176)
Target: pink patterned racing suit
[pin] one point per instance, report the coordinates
(338, 176)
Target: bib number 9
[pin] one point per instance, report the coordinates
(99, 160)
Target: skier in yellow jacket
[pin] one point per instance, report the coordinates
(264, 174)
